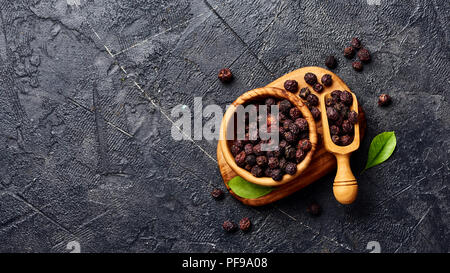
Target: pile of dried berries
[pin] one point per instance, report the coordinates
(340, 118)
(363, 54)
(292, 148)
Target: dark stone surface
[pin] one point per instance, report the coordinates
(87, 153)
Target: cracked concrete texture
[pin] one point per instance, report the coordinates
(86, 148)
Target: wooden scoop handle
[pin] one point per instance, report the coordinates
(345, 187)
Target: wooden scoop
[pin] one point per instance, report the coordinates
(345, 187)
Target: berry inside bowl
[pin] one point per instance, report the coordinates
(293, 151)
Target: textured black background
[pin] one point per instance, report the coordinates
(86, 153)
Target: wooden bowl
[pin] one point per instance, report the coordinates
(257, 94)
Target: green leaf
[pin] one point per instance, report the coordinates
(381, 148)
(245, 189)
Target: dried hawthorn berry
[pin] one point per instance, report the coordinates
(270, 101)
(304, 92)
(314, 209)
(240, 159)
(364, 55)
(277, 174)
(257, 149)
(332, 114)
(347, 127)
(291, 168)
(248, 148)
(217, 194)
(357, 65)
(346, 97)
(315, 113)
(225, 75)
(384, 99)
(302, 124)
(318, 87)
(349, 52)
(294, 129)
(334, 130)
(331, 62)
(353, 117)
(346, 140)
(356, 43)
(313, 100)
(250, 160)
(305, 145)
(336, 94)
(284, 106)
(286, 124)
(295, 113)
(282, 163)
(310, 78)
(245, 224)
(327, 80)
(289, 136)
(339, 121)
(248, 168)
(329, 102)
(257, 171)
(299, 155)
(235, 150)
(261, 160)
(291, 86)
(273, 162)
(289, 152)
(229, 226)
(268, 172)
(239, 143)
(335, 139)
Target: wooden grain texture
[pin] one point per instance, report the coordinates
(322, 162)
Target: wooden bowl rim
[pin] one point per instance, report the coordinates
(257, 94)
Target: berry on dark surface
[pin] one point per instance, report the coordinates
(240, 159)
(334, 130)
(257, 171)
(277, 174)
(250, 160)
(304, 92)
(364, 55)
(349, 52)
(315, 113)
(245, 224)
(291, 168)
(356, 43)
(310, 78)
(331, 62)
(347, 127)
(295, 113)
(314, 209)
(229, 226)
(291, 86)
(217, 194)
(327, 80)
(313, 100)
(225, 75)
(384, 100)
(318, 87)
(357, 65)
(235, 150)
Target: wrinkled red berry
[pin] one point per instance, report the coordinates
(217, 194)
(225, 75)
(331, 62)
(295, 113)
(357, 65)
(346, 97)
(277, 174)
(305, 145)
(284, 106)
(327, 80)
(364, 55)
(302, 124)
(384, 99)
(356, 43)
(353, 117)
(291, 86)
(291, 168)
(240, 159)
(310, 78)
(290, 152)
(273, 162)
(257, 171)
(304, 92)
(313, 100)
(349, 52)
(315, 113)
(332, 114)
(245, 224)
(346, 140)
(229, 226)
(318, 87)
(299, 155)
